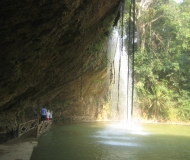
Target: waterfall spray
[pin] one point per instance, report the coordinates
(120, 81)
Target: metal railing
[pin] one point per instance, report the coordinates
(43, 127)
(26, 126)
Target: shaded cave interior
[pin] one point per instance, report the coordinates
(54, 54)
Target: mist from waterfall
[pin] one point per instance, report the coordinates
(120, 79)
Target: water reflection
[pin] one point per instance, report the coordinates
(123, 128)
(112, 137)
(118, 134)
(116, 143)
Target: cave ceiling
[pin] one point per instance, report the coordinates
(43, 45)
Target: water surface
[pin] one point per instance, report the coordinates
(112, 141)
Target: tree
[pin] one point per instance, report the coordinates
(162, 60)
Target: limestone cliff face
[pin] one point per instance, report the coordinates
(48, 57)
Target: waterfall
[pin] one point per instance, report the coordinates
(120, 80)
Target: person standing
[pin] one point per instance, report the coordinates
(47, 115)
(43, 113)
(51, 115)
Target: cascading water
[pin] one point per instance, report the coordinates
(120, 79)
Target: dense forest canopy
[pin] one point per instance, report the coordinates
(161, 58)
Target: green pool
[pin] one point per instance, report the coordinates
(114, 141)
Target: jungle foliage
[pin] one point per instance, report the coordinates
(162, 58)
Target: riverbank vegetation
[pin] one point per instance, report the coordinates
(162, 59)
